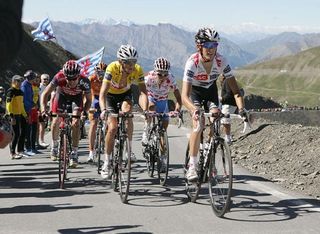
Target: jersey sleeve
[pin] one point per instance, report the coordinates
(189, 71)
(139, 74)
(173, 83)
(85, 84)
(108, 74)
(224, 66)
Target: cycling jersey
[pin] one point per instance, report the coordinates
(96, 84)
(156, 92)
(196, 74)
(60, 81)
(113, 75)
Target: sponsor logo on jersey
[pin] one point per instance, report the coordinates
(190, 73)
(201, 77)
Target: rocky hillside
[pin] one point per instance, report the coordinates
(42, 57)
(285, 154)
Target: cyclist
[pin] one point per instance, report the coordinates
(158, 83)
(70, 87)
(116, 88)
(229, 106)
(199, 87)
(94, 112)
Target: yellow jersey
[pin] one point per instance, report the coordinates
(114, 73)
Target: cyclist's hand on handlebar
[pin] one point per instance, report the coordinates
(244, 114)
(103, 114)
(196, 114)
(84, 115)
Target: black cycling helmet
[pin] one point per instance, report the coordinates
(206, 34)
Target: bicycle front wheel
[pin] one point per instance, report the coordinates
(192, 188)
(220, 177)
(124, 168)
(163, 158)
(63, 160)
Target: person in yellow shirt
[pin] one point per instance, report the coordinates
(116, 88)
(94, 112)
(15, 108)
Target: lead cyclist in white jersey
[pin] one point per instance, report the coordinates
(199, 87)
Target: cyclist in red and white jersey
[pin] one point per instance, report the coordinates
(159, 82)
(71, 88)
(199, 86)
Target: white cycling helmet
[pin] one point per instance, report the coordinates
(161, 64)
(127, 52)
(207, 34)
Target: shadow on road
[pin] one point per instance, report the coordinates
(94, 230)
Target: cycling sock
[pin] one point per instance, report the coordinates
(193, 161)
(54, 144)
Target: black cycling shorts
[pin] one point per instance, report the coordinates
(114, 101)
(205, 97)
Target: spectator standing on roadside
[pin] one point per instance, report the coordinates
(15, 108)
(42, 125)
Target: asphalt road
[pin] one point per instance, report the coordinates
(31, 201)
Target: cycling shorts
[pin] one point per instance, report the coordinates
(205, 97)
(161, 106)
(64, 102)
(114, 100)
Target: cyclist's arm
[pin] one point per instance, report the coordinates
(143, 99)
(44, 97)
(103, 94)
(185, 94)
(178, 98)
(236, 92)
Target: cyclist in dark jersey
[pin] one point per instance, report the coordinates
(71, 89)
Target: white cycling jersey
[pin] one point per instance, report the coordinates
(156, 92)
(196, 74)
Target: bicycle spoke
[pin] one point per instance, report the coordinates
(163, 158)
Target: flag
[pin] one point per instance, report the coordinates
(89, 62)
(44, 31)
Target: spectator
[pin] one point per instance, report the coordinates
(26, 86)
(42, 125)
(15, 108)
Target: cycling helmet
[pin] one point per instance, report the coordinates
(206, 34)
(127, 52)
(161, 64)
(101, 66)
(71, 69)
(30, 75)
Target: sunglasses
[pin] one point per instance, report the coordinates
(162, 74)
(210, 45)
(130, 61)
(72, 78)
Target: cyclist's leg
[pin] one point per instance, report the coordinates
(111, 102)
(151, 107)
(75, 128)
(226, 122)
(93, 118)
(127, 108)
(57, 106)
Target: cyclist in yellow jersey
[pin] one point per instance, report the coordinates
(116, 88)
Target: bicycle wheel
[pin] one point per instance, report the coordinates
(220, 177)
(163, 164)
(150, 154)
(192, 188)
(124, 168)
(63, 160)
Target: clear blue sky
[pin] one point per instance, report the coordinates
(223, 14)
